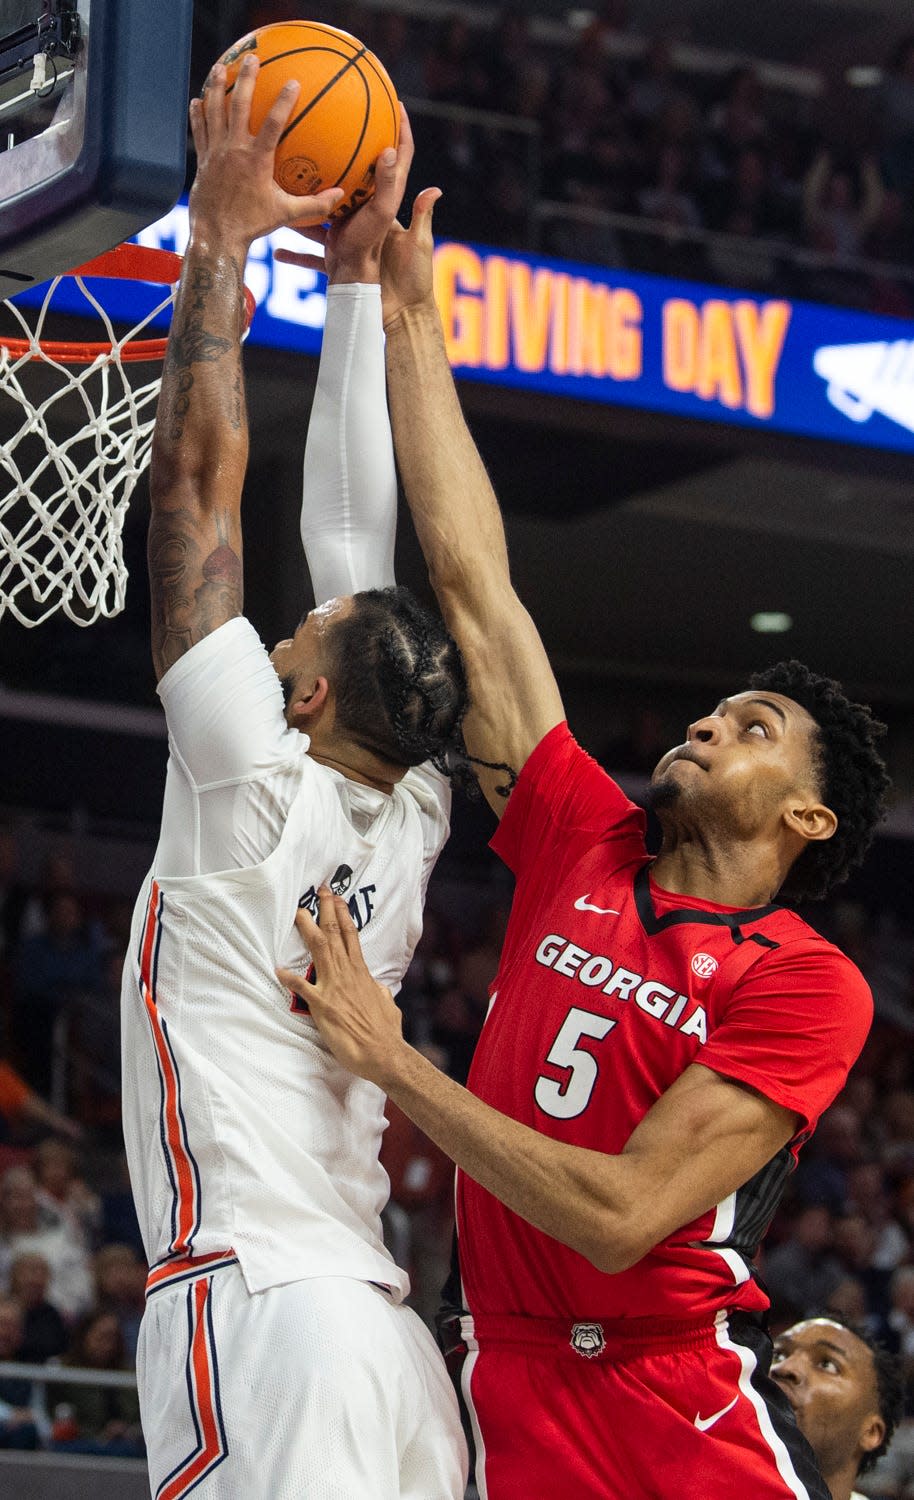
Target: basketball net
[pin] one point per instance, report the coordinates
(83, 438)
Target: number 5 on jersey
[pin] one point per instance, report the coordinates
(564, 1101)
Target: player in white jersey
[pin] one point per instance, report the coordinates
(276, 1358)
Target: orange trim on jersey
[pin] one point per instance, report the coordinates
(184, 1180)
(203, 1385)
(186, 1267)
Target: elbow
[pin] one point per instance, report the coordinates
(611, 1257)
(617, 1244)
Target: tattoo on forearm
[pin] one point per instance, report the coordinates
(191, 343)
(191, 594)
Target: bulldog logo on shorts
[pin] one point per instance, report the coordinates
(587, 1339)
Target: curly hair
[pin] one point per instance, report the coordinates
(851, 774)
(400, 683)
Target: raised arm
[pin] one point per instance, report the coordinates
(513, 693)
(349, 491)
(200, 446)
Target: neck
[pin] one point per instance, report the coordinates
(731, 874)
(365, 770)
(841, 1483)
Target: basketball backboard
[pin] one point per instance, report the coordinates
(93, 127)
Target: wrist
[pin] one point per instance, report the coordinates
(416, 313)
(212, 241)
(394, 1070)
(364, 270)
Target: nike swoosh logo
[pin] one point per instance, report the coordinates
(582, 904)
(703, 1423)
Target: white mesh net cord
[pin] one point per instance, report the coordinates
(65, 484)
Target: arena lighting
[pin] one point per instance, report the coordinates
(863, 76)
(771, 622)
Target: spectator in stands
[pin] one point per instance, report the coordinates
(738, 121)
(62, 1189)
(897, 1113)
(18, 1425)
(26, 1225)
(119, 1221)
(120, 1288)
(57, 876)
(44, 1334)
(901, 1314)
(846, 1393)
(20, 1105)
(107, 1421)
(513, 68)
(836, 1147)
(868, 1195)
(669, 197)
(54, 968)
(399, 50)
(855, 1247)
(655, 85)
(841, 204)
(803, 1270)
(454, 71)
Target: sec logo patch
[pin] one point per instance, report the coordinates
(704, 965)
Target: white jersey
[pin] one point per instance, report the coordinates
(242, 1132)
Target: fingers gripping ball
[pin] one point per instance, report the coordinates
(345, 115)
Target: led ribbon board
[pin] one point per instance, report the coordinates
(626, 339)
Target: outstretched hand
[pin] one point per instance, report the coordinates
(235, 193)
(355, 1015)
(371, 244)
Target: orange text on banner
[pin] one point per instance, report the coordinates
(725, 351)
(497, 312)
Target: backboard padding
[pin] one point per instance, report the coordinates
(114, 157)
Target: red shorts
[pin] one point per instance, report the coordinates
(674, 1409)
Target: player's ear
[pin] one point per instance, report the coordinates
(872, 1432)
(813, 821)
(308, 701)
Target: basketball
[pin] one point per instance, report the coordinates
(345, 115)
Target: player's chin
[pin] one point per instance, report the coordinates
(663, 791)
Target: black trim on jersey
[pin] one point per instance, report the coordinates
(750, 1335)
(734, 920)
(756, 1202)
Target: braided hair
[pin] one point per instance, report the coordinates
(851, 774)
(399, 683)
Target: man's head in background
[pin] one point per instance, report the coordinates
(846, 1392)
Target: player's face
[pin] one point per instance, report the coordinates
(302, 659)
(742, 763)
(827, 1375)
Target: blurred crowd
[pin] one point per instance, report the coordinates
(72, 1270)
(599, 127)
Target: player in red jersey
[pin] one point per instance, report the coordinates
(663, 1034)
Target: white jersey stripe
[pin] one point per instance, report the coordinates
(748, 1365)
(466, 1376)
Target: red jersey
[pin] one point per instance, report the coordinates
(608, 988)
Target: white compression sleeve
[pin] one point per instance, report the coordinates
(349, 492)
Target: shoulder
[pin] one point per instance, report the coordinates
(235, 640)
(805, 969)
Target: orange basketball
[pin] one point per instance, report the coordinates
(345, 115)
